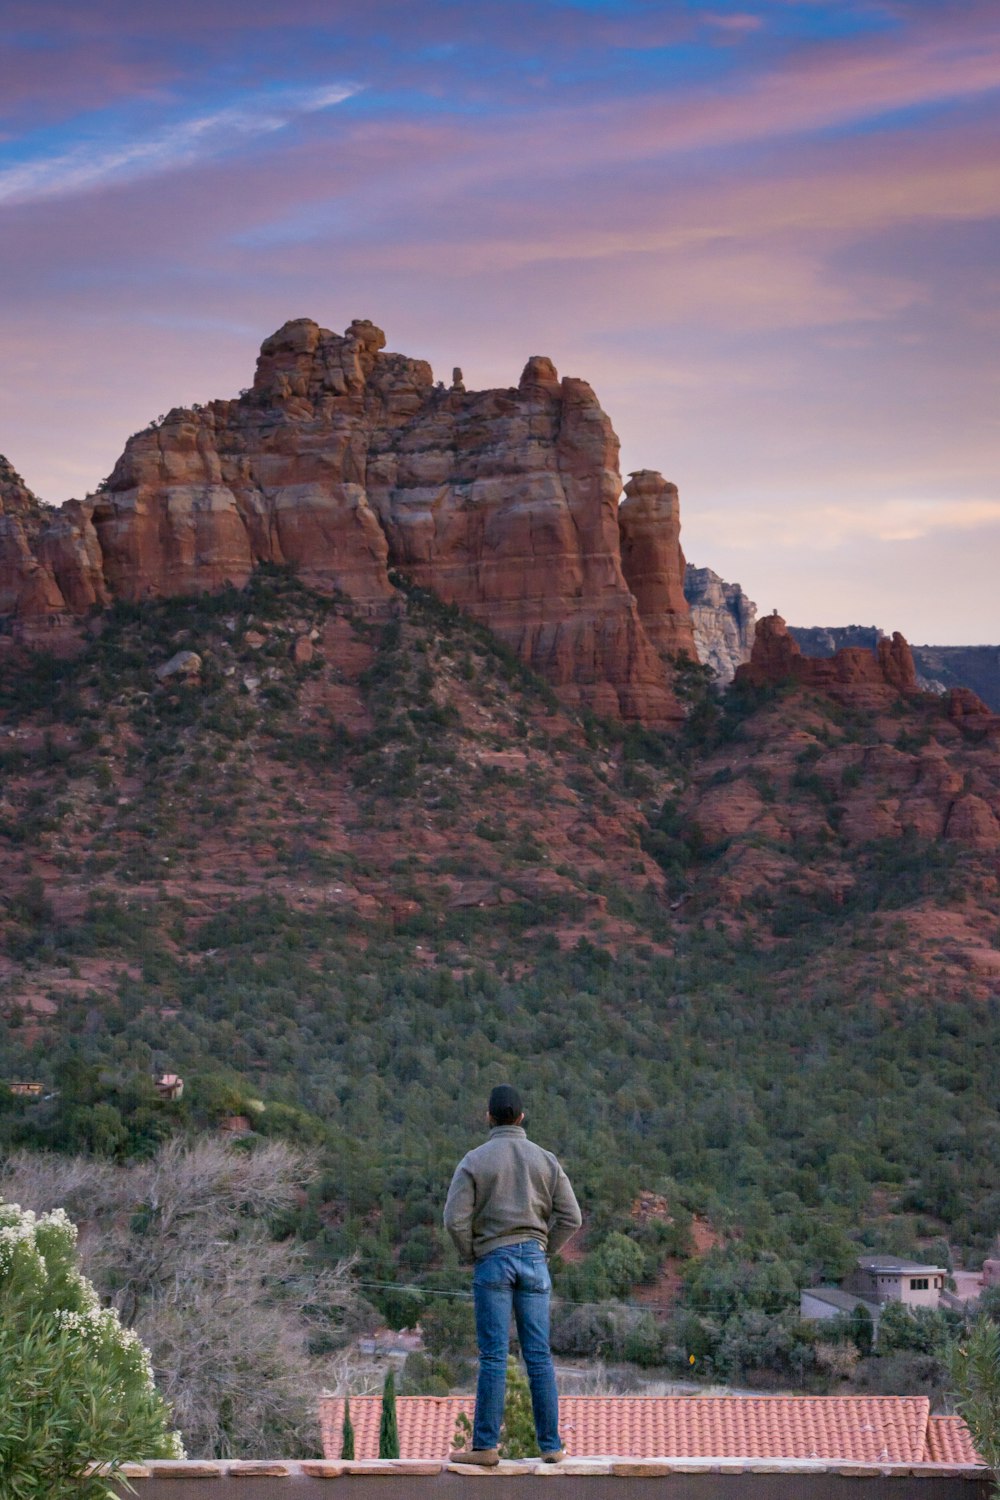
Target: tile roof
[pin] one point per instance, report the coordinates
(950, 1442)
(857, 1429)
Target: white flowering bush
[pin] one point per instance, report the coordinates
(76, 1388)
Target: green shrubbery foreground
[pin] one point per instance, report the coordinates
(77, 1386)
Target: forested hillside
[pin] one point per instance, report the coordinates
(343, 875)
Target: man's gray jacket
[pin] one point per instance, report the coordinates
(506, 1191)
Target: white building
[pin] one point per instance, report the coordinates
(887, 1278)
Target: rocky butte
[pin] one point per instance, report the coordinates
(347, 463)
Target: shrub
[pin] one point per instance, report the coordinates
(77, 1386)
(974, 1369)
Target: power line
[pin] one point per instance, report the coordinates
(465, 1296)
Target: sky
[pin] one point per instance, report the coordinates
(766, 233)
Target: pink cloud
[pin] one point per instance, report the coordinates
(775, 323)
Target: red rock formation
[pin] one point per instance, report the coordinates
(21, 520)
(852, 673)
(969, 712)
(345, 462)
(653, 563)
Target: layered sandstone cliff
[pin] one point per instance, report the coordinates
(347, 462)
(723, 620)
(649, 519)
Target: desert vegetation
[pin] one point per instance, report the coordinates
(341, 890)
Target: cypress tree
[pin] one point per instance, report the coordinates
(388, 1432)
(517, 1435)
(347, 1432)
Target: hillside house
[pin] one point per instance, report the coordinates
(821, 1302)
(854, 1429)
(887, 1278)
(169, 1086)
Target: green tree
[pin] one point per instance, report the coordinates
(517, 1434)
(77, 1386)
(388, 1432)
(448, 1326)
(922, 1330)
(347, 1432)
(861, 1329)
(623, 1262)
(974, 1368)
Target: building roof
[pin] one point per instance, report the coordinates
(894, 1264)
(843, 1301)
(949, 1442)
(857, 1429)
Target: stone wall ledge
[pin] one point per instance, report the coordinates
(632, 1468)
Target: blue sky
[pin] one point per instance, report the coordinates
(765, 233)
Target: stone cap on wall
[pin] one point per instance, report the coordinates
(632, 1468)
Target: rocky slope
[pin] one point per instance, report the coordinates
(358, 867)
(844, 757)
(275, 744)
(347, 463)
(723, 621)
(974, 667)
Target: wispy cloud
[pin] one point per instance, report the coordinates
(825, 526)
(178, 144)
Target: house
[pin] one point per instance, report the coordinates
(854, 1429)
(169, 1086)
(833, 1302)
(26, 1090)
(888, 1278)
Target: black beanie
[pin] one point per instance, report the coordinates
(505, 1104)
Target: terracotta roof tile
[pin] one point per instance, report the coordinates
(950, 1442)
(857, 1429)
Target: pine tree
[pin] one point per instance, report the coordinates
(347, 1432)
(517, 1438)
(388, 1432)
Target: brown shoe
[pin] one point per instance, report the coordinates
(555, 1457)
(483, 1458)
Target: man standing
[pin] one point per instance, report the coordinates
(509, 1204)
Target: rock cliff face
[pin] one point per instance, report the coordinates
(653, 563)
(24, 582)
(825, 640)
(862, 677)
(723, 620)
(347, 462)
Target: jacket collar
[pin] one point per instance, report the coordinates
(516, 1130)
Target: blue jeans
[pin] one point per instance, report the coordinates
(514, 1278)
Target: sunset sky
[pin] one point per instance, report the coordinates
(766, 233)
